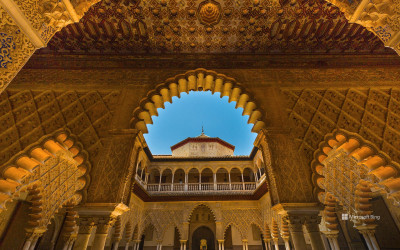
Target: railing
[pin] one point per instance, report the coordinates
(205, 188)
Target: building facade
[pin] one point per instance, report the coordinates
(80, 80)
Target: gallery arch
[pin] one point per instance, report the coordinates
(280, 196)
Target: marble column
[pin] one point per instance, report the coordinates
(332, 237)
(296, 231)
(68, 241)
(71, 244)
(312, 226)
(85, 230)
(31, 240)
(103, 226)
(34, 241)
(245, 246)
(267, 244)
(221, 244)
(368, 232)
(276, 243)
(286, 240)
(137, 244)
(115, 243)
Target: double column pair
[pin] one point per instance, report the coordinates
(368, 232)
(221, 245)
(99, 218)
(86, 226)
(183, 244)
(311, 223)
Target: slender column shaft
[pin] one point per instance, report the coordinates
(159, 183)
(373, 240)
(230, 184)
(276, 244)
(82, 241)
(215, 181)
(242, 181)
(312, 225)
(296, 231)
(287, 245)
(99, 241)
(27, 244)
(368, 241)
(172, 182)
(33, 244)
(115, 245)
(71, 244)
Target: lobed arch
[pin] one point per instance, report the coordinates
(233, 224)
(174, 226)
(197, 80)
(59, 155)
(262, 231)
(380, 171)
(189, 216)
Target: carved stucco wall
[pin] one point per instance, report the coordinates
(26, 116)
(373, 113)
(239, 214)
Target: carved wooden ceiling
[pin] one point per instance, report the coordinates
(214, 26)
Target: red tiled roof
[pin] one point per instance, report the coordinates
(203, 139)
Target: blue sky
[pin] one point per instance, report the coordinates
(185, 116)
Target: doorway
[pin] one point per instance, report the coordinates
(201, 233)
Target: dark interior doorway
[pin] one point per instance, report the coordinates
(203, 233)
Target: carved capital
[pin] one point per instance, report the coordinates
(312, 223)
(295, 222)
(86, 225)
(331, 234)
(104, 224)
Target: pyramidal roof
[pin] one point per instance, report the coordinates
(203, 138)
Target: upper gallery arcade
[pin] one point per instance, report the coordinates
(317, 80)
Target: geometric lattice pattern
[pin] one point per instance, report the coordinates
(242, 219)
(26, 116)
(342, 175)
(245, 26)
(372, 113)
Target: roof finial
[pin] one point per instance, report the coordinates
(202, 129)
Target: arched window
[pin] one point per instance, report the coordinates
(207, 176)
(179, 176)
(193, 176)
(154, 176)
(248, 175)
(222, 176)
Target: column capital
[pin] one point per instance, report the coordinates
(312, 223)
(117, 239)
(221, 241)
(367, 230)
(295, 222)
(86, 225)
(34, 234)
(244, 240)
(104, 224)
(182, 241)
(69, 237)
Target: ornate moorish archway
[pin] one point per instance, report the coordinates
(197, 80)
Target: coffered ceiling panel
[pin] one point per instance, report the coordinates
(214, 26)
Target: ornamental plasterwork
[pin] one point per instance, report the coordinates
(53, 173)
(208, 26)
(373, 113)
(242, 219)
(15, 49)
